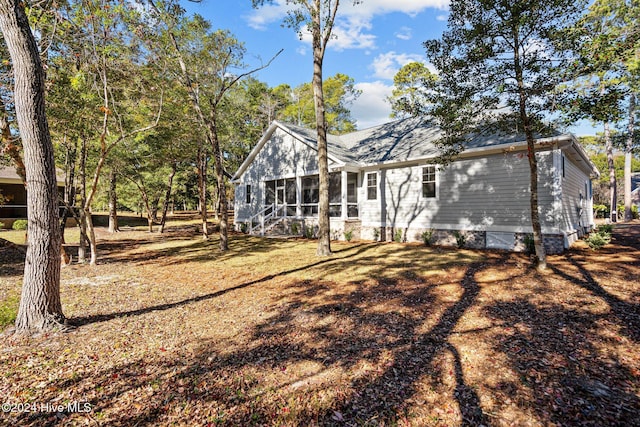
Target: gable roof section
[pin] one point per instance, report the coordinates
(403, 140)
(8, 175)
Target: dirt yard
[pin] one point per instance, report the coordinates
(169, 331)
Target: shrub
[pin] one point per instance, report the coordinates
(529, 244)
(376, 234)
(397, 236)
(427, 237)
(20, 224)
(597, 240)
(461, 239)
(1, 225)
(600, 211)
(348, 235)
(295, 229)
(605, 229)
(244, 227)
(308, 232)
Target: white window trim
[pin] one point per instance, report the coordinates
(377, 187)
(437, 181)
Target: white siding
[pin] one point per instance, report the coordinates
(488, 193)
(282, 156)
(576, 201)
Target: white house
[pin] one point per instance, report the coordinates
(384, 184)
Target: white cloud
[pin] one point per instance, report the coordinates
(404, 33)
(371, 108)
(442, 18)
(386, 65)
(353, 25)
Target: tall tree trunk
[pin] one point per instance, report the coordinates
(167, 197)
(219, 171)
(202, 190)
(628, 155)
(538, 238)
(69, 186)
(82, 246)
(113, 203)
(324, 237)
(613, 187)
(40, 307)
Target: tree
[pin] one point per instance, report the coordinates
(605, 41)
(318, 17)
(339, 91)
(40, 307)
(208, 64)
(497, 54)
(411, 94)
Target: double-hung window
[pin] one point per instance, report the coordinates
(372, 186)
(429, 182)
(248, 194)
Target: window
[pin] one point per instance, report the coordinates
(248, 194)
(429, 181)
(372, 186)
(563, 170)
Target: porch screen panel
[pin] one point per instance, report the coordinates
(310, 195)
(352, 195)
(335, 195)
(290, 196)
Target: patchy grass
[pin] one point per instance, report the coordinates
(169, 331)
(9, 309)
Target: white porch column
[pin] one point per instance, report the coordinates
(298, 196)
(344, 190)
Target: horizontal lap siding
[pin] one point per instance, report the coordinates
(573, 186)
(281, 157)
(486, 193)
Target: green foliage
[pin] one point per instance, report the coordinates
(427, 237)
(605, 229)
(397, 235)
(244, 227)
(411, 90)
(348, 235)
(376, 234)
(461, 239)
(600, 211)
(295, 228)
(597, 240)
(20, 224)
(339, 93)
(1, 225)
(9, 310)
(308, 232)
(529, 244)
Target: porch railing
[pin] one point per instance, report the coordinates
(264, 216)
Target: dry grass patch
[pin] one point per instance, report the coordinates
(169, 331)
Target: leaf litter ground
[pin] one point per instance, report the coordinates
(169, 331)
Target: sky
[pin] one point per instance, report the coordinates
(373, 40)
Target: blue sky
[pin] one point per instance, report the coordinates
(373, 40)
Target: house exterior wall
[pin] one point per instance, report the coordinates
(282, 156)
(478, 194)
(576, 217)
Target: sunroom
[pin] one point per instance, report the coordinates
(287, 199)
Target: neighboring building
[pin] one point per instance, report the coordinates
(635, 189)
(15, 196)
(383, 182)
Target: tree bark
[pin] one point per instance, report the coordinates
(324, 237)
(628, 155)
(613, 187)
(113, 203)
(82, 246)
(69, 186)
(202, 190)
(40, 307)
(538, 238)
(167, 197)
(222, 193)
